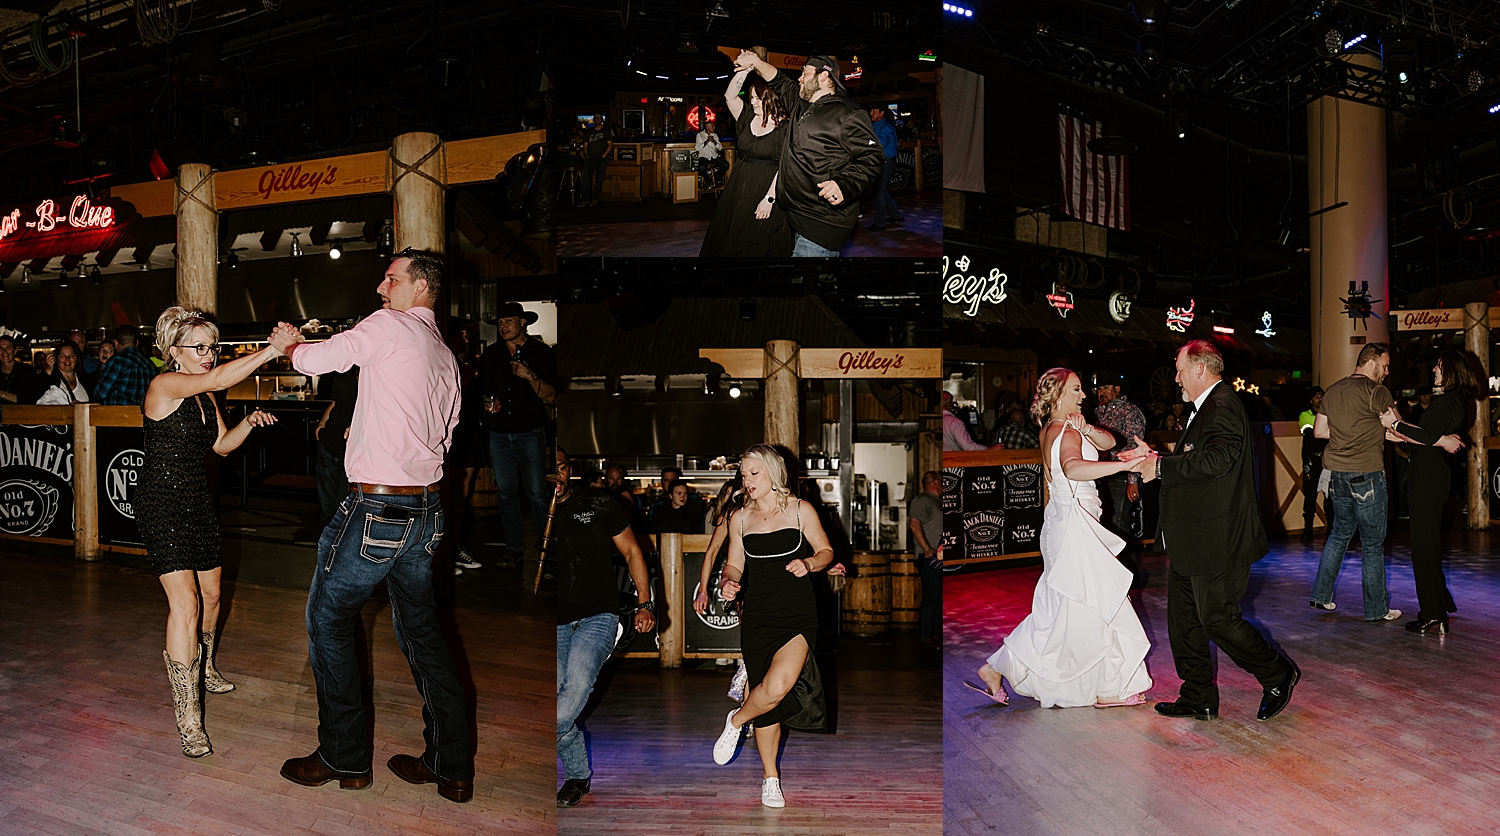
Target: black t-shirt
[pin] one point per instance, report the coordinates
(343, 389)
(584, 528)
(520, 408)
(596, 141)
(23, 381)
(685, 520)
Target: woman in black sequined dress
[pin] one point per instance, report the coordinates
(174, 506)
(776, 543)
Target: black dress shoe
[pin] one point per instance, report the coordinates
(312, 772)
(1438, 626)
(413, 771)
(1275, 699)
(876, 227)
(1181, 709)
(573, 790)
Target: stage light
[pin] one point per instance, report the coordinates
(1495, 109)
(954, 8)
(734, 390)
(95, 275)
(62, 278)
(26, 271)
(1467, 76)
(335, 252)
(296, 245)
(1177, 119)
(1330, 42)
(665, 77)
(1150, 14)
(1151, 48)
(1398, 53)
(1349, 44)
(642, 72)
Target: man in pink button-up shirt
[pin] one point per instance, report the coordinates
(387, 529)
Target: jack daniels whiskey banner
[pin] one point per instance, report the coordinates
(36, 481)
(121, 454)
(992, 511)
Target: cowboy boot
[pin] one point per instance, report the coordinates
(189, 704)
(211, 678)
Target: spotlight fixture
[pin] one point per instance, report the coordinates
(145, 266)
(955, 9)
(387, 240)
(1355, 41)
(296, 245)
(1329, 43)
(335, 252)
(26, 271)
(1151, 48)
(1467, 76)
(96, 275)
(1151, 14)
(1398, 53)
(1494, 109)
(734, 390)
(62, 278)
(1178, 124)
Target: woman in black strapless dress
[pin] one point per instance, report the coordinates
(175, 508)
(747, 222)
(776, 542)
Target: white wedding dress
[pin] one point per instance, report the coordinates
(1082, 640)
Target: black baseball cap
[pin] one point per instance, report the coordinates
(819, 62)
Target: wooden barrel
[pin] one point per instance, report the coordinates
(906, 592)
(486, 498)
(867, 598)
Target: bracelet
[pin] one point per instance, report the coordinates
(646, 606)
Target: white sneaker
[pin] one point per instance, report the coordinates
(1390, 615)
(729, 741)
(467, 561)
(770, 793)
(458, 570)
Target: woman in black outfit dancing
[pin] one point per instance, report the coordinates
(1431, 482)
(176, 512)
(775, 543)
(747, 222)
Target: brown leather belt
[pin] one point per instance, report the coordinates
(394, 490)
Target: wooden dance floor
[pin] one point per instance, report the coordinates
(651, 735)
(1388, 732)
(88, 743)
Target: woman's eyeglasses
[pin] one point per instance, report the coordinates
(204, 350)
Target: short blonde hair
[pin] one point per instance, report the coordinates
(175, 323)
(775, 468)
(1049, 387)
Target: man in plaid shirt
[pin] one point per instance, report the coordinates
(1127, 423)
(123, 380)
(1016, 435)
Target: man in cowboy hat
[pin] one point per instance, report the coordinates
(830, 156)
(517, 375)
(1127, 423)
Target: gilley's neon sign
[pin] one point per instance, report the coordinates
(82, 214)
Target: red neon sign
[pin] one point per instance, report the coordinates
(1061, 299)
(1178, 319)
(82, 214)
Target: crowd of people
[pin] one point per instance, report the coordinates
(113, 371)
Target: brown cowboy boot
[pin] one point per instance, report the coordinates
(189, 704)
(211, 678)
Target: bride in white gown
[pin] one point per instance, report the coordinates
(1082, 644)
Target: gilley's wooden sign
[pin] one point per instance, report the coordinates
(889, 363)
(1435, 319)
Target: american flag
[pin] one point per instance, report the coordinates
(1095, 188)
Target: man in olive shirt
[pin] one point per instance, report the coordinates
(1355, 464)
(925, 516)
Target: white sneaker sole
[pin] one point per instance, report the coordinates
(769, 800)
(728, 742)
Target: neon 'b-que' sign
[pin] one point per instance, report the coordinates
(47, 216)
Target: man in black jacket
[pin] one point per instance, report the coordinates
(831, 154)
(1210, 523)
(517, 375)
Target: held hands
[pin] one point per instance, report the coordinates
(745, 61)
(762, 209)
(797, 566)
(829, 191)
(284, 336)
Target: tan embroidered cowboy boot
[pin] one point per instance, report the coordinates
(211, 678)
(189, 704)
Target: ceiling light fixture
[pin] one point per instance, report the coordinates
(96, 275)
(335, 252)
(296, 245)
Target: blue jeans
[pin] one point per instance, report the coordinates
(391, 538)
(583, 646)
(333, 484)
(520, 466)
(1359, 501)
(807, 249)
(883, 195)
(931, 619)
(593, 177)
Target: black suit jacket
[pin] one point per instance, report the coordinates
(1210, 520)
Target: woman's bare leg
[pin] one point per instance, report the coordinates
(182, 615)
(786, 666)
(768, 740)
(208, 591)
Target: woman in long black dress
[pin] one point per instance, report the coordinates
(775, 543)
(175, 510)
(1431, 483)
(747, 222)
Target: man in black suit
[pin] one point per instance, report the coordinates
(1210, 523)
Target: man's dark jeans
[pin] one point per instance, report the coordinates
(884, 205)
(519, 460)
(931, 619)
(391, 538)
(593, 177)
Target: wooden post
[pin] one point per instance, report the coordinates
(1477, 340)
(418, 176)
(670, 628)
(85, 485)
(846, 456)
(197, 238)
(783, 373)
